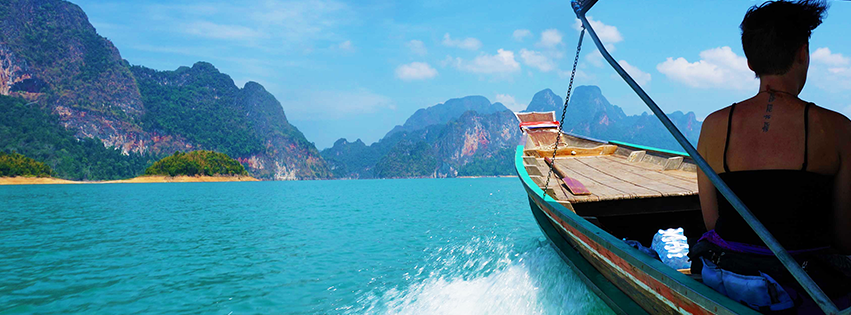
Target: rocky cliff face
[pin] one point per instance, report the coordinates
(205, 107)
(444, 112)
(288, 154)
(590, 114)
(438, 150)
(473, 137)
(51, 55)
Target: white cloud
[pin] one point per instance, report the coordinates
(335, 104)
(824, 56)
(295, 21)
(501, 63)
(537, 60)
(608, 34)
(510, 102)
(840, 71)
(718, 68)
(641, 77)
(830, 71)
(550, 38)
(415, 71)
(346, 45)
(830, 79)
(520, 34)
(221, 31)
(468, 43)
(417, 47)
(268, 25)
(595, 58)
(581, 76)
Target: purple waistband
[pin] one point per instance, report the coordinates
(716, 239)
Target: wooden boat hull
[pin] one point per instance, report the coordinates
(629, 281)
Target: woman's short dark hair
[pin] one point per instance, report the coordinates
(774, 31)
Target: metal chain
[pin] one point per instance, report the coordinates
(564, 111)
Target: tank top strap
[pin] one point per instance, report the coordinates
(727, 142)
(806, 135)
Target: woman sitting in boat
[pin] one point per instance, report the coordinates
(789, 161)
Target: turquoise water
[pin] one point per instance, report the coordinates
(410, 246)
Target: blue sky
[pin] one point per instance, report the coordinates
(356, 69)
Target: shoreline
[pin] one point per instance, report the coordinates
(140, 179)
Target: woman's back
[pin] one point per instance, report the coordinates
(764, 145)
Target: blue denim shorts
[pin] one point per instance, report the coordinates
(758, 292)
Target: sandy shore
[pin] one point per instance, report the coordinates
(140, 179)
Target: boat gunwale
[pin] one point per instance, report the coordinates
(690, 289)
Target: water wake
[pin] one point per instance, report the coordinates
(486, 276)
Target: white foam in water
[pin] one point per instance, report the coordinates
(489, 279)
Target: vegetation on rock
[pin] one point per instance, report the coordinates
(29, 130)
(51, 54)
(408, 159)
(198, 103)
(14, 164)
(207, 163)
(498, 164)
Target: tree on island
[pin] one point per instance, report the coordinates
(14, 164)
(206, 163)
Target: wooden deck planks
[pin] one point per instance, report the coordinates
(687, 177)
(591, 181)
(655, 180)
(559, 191)
(611, 177)
(629, 190)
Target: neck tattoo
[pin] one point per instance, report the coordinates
(767, 123)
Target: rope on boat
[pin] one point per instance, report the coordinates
(580, 7)
(564, 111)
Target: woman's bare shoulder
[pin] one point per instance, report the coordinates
(833, 126)
(830, 116)
(717, 120)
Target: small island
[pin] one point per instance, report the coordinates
(15, 164)
(197, 163)
(16, 169)
(195, 166)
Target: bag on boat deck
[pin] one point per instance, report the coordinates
(758, 292)
(828, 275)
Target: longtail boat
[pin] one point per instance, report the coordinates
(601, 192)
(589, 196)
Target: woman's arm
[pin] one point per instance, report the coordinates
(842, 189)
(706, 190)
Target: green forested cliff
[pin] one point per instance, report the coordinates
(205, 107)
(27, 129)
(51, 55)
(198, 103)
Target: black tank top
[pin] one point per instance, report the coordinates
(794, 205)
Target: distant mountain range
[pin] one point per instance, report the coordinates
(89, 114)
(445, 149)
(590, 114)
(456, 139)
(51, 56)
(451, 109)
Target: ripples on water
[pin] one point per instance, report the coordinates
(424, 246)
